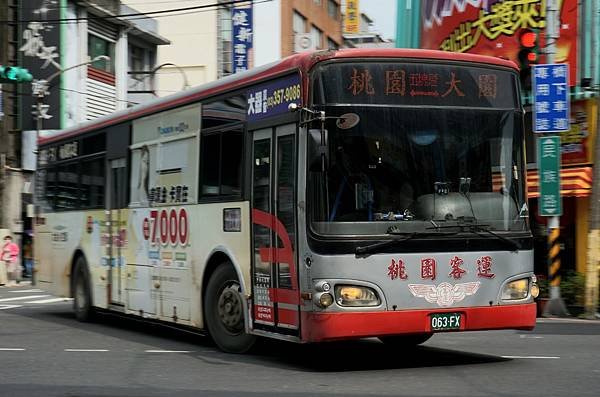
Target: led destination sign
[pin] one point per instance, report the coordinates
(416, 84)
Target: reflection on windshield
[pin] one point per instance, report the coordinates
(407, 167)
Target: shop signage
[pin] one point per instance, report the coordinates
(241, 19)
(549, 169)
(352, 17)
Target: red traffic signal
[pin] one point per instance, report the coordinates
(527, 55)
(528, 38)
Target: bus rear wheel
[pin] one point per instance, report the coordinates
(406, 341)
(224, 311)
(82, 298)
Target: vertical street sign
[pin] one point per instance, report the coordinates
(551, 98)
(352, 17)
(549, 169)
(241, 19)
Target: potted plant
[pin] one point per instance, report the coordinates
(572, 290)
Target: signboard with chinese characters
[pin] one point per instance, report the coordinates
(551, 98)
(493, 27)
(273, 98)
(39, 48)
(416, 84)
(549, 169)
(352, 17)
(241, 19)
(575, 143)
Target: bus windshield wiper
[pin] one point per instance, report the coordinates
(479, 229)
(372, 248)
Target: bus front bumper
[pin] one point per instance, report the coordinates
(321, 327)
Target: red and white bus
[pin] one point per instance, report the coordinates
(327, 196)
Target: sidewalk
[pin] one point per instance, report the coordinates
(573, 320)
(22, 283)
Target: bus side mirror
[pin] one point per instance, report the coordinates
(317, 151)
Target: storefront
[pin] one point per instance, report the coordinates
(576, 189)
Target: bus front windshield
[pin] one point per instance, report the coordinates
(396, 167)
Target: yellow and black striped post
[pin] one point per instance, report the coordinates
(555, 306)
(554, 257)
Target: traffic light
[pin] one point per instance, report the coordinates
(14, 74)
(528, 51)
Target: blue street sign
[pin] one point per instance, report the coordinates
(551, 98)
(242, 29)
(550, 203)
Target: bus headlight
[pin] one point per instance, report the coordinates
(356, 295)
(517, 289)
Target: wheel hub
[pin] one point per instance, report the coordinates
(230, 309)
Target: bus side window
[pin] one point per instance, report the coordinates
(221, 163)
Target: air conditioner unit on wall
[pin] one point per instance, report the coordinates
(304, 42)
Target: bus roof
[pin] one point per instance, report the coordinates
(302, 61)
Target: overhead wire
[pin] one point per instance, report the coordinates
(58, 7)
(139, 15)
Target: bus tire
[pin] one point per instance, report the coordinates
(405, 341)
(82, 296)
(224, 311)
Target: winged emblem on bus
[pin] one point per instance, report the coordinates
(444, 294)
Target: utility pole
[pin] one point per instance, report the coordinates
(555, 306)
(593, 257)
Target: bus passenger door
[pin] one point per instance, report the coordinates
(274, 273)
(117, 228)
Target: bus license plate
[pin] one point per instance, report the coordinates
(445, 321)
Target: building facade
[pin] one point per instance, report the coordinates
(80, 54)
(366, 36)
(474, 26)
(203, 39)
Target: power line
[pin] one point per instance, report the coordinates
(58, 7)
(140, 15)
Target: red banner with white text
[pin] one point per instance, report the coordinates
(489, 27)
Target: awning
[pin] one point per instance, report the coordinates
(574, 182)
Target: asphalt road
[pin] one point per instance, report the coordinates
(44, 351)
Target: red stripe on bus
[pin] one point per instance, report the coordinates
(323, 326)
(284, 254)
(288, 317)
(282, 295)
(275, 255)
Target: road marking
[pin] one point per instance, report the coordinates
(4, 307)
(11, 349)
(531, 337)
(86, 350)
(22, 291)
(168, 351)
(566, 320)
(20, 298)
(52, 300)
(534, 357)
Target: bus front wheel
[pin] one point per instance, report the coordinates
(82, 301)
(224, 311)
(405, 340)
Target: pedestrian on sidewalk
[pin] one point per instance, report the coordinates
(10, 256)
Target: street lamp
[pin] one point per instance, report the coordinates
(186, 84)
